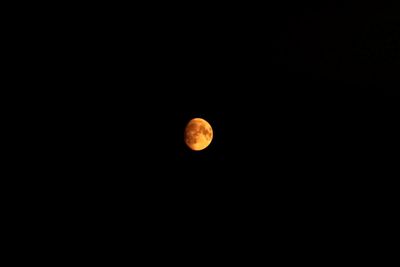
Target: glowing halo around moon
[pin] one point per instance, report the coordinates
(198, 134)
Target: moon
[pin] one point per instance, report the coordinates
(198, 134)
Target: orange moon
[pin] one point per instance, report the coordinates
(198, 134)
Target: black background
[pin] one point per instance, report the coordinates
(282, 87)
(287, 90)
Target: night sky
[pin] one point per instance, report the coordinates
(289, 91)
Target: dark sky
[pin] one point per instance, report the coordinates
(291, 92)
(287, 91)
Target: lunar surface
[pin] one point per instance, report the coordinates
(198, 134)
